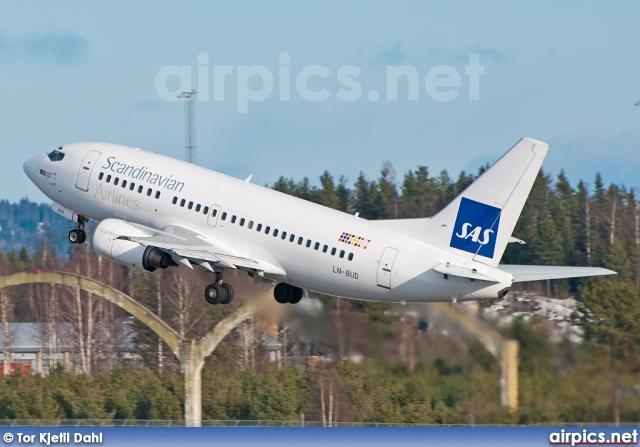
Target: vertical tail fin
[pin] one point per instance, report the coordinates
(478, 223)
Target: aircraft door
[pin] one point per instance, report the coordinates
(385, 267)
(84, 174)
(212, 219)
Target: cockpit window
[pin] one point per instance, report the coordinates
(56, 155)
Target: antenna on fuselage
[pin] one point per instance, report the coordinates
(189, 125)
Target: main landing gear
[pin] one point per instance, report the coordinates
(78, 236)
(286, 293)
(218, 292)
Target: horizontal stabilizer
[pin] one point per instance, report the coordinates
(523, 273)
(515, 240)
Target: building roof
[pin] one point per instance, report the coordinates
(34, 337)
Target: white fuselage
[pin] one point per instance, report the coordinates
(363, 260)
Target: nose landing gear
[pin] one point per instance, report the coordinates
(78, 235)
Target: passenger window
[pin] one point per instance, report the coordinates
(157, 194)
(300, 240)
(124, 183)
(267, 230)
(275, 233)
(308, 243)
(198, 208)
(224, 216)
(342, 253)
(182, 202)
(100, 176)
(108, 178)
(259, 227)
(140, 188)
(292, 238)
(115, 182)
(149, 191)
(215, 212)
(315, 247)
(325, 248)
(250, 224)
(190, 205)
(242, 221)
(284, 235)
(350, 256)
(333, 251)
(206, 210)
(132, 186)
(233, 219)
(175, 200)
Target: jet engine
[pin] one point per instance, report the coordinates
(132, 254)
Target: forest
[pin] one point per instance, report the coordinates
(337, 360)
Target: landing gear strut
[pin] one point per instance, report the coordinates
(78, 235)
(219, 292)
(286, 293)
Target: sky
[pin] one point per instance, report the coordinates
(310, 86)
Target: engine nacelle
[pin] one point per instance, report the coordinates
(106, 243)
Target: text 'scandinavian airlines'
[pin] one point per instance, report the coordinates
(158, 212)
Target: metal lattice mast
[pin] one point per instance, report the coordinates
(189, 125)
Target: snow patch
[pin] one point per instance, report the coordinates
(562, 316)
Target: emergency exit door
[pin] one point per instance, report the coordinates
(385, 268)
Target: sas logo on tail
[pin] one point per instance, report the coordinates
(476, 228)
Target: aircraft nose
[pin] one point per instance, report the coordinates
(32, 167)
(29, 168)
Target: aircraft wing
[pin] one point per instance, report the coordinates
(523, 273)
(190, 247)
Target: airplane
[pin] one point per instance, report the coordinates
(156, 212)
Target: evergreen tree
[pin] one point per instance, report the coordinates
(386, 202)
(328, 196)
(344, 195)
(418, 194)
(364, 198)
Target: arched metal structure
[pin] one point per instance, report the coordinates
(190, 353)
(164, 331)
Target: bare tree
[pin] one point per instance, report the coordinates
(587, 224)
(250, 343)
(340, 332)
(4, 314)
(159, 300)
(81, 311)
(332, 395)
(187, 307)
(105, 329)
(613, 192)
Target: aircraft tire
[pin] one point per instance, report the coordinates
(74, 236)
(283, 293)
(229, 293)
(297, 295)
(82, 236)
(214, 294)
